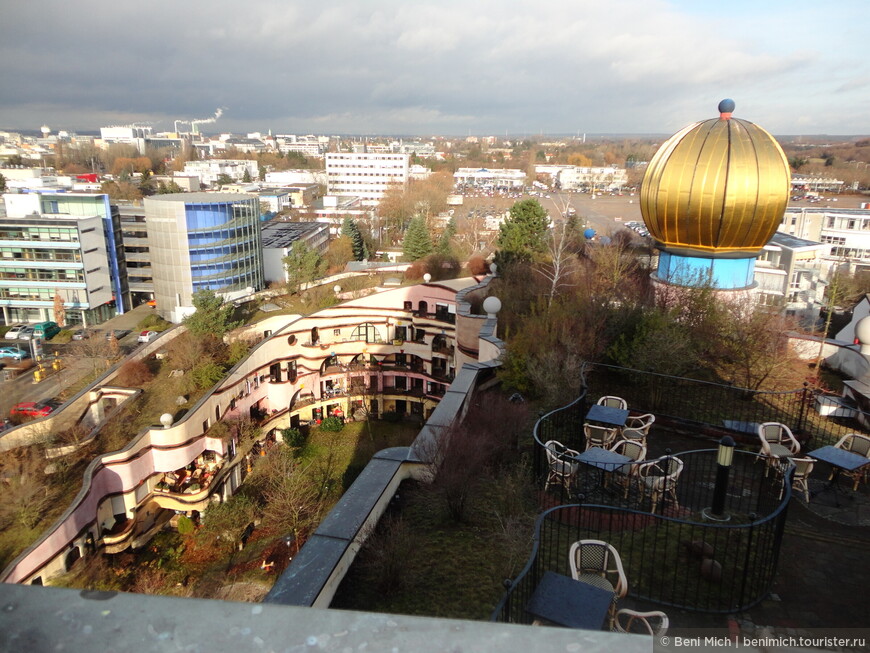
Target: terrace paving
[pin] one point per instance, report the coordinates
(822, 576)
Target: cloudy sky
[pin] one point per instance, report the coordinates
(451, 67)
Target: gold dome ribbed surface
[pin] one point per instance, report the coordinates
(716, 187)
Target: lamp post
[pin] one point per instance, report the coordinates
(724, 458)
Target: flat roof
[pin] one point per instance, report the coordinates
(792, 242)
(199, 198)
(282, 234)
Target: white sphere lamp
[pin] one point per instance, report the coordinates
(862, 335)
(427, 278)
(492, 305)
(166, 419)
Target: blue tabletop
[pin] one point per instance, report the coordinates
(603, 458)
(568, 602)
(607, 415)
(839, 458)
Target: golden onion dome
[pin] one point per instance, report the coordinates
(716, 188)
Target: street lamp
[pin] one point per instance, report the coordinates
(724, 458)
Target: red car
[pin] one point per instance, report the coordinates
(30, 409)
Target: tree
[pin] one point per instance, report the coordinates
(349, 229)
(59, 310)
(558, 270)
(302, 265)
(339, 253)
(522, 236)
(223, 179)
(2, 184)
(246, 178)
(444, 244)
(121, 190)
(171, 187)
(417, 243)
(212, 316)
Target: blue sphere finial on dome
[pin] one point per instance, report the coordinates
(726, 106)
(589, 234)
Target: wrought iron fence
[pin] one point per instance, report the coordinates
(672, 553)
(682, 562)
(717, 407)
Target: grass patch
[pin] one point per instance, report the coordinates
(420, 562)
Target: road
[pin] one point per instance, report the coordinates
(22, 387)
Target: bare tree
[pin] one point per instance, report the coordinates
(27, 496)
(558, 271)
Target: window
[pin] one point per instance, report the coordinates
(366, 332)
(336, 332)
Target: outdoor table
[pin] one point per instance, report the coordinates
(607, 415)
(838, 459)
(567, 602)
(604, 460)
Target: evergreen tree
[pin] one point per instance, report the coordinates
(212, 316)
(246, 178)
(303, 265)
(446, 237)
(2, 184)
(523, 235)
(351, 231)
(418, 242)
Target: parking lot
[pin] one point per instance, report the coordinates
(22, 389)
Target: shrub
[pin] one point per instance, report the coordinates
(206, 374)
(293, 438)
(391, 416)
(332, 424)
(134, 374)
(62, 337)
(477, 265)
(154, 322)
(185, 525)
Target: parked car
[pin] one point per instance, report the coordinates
(15, 331)
(31, 409)
(81, 334)
(118, 333)
(46, 330)
(26, 333)
(14, 352)
(147, 336)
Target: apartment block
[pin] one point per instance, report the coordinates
(365, 175)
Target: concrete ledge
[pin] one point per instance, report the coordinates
(49, 618)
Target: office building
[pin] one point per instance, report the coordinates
(365, 175)
(203, 241)
(61, 245)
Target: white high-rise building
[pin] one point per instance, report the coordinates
(365, 175)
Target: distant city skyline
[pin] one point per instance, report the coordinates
(451, 68)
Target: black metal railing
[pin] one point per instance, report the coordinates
(713, 407)
(685, 563)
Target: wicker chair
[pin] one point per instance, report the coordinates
(599, 436)
(803, 468)
(658, 478)
(562, 469)
(612, 402)
(859, 444)
(645, 623)
(637, 427)
(777, 442)
(626, 474)
(596, 562)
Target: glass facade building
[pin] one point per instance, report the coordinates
(203, 241)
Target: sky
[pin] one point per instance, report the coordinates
(483, 67)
